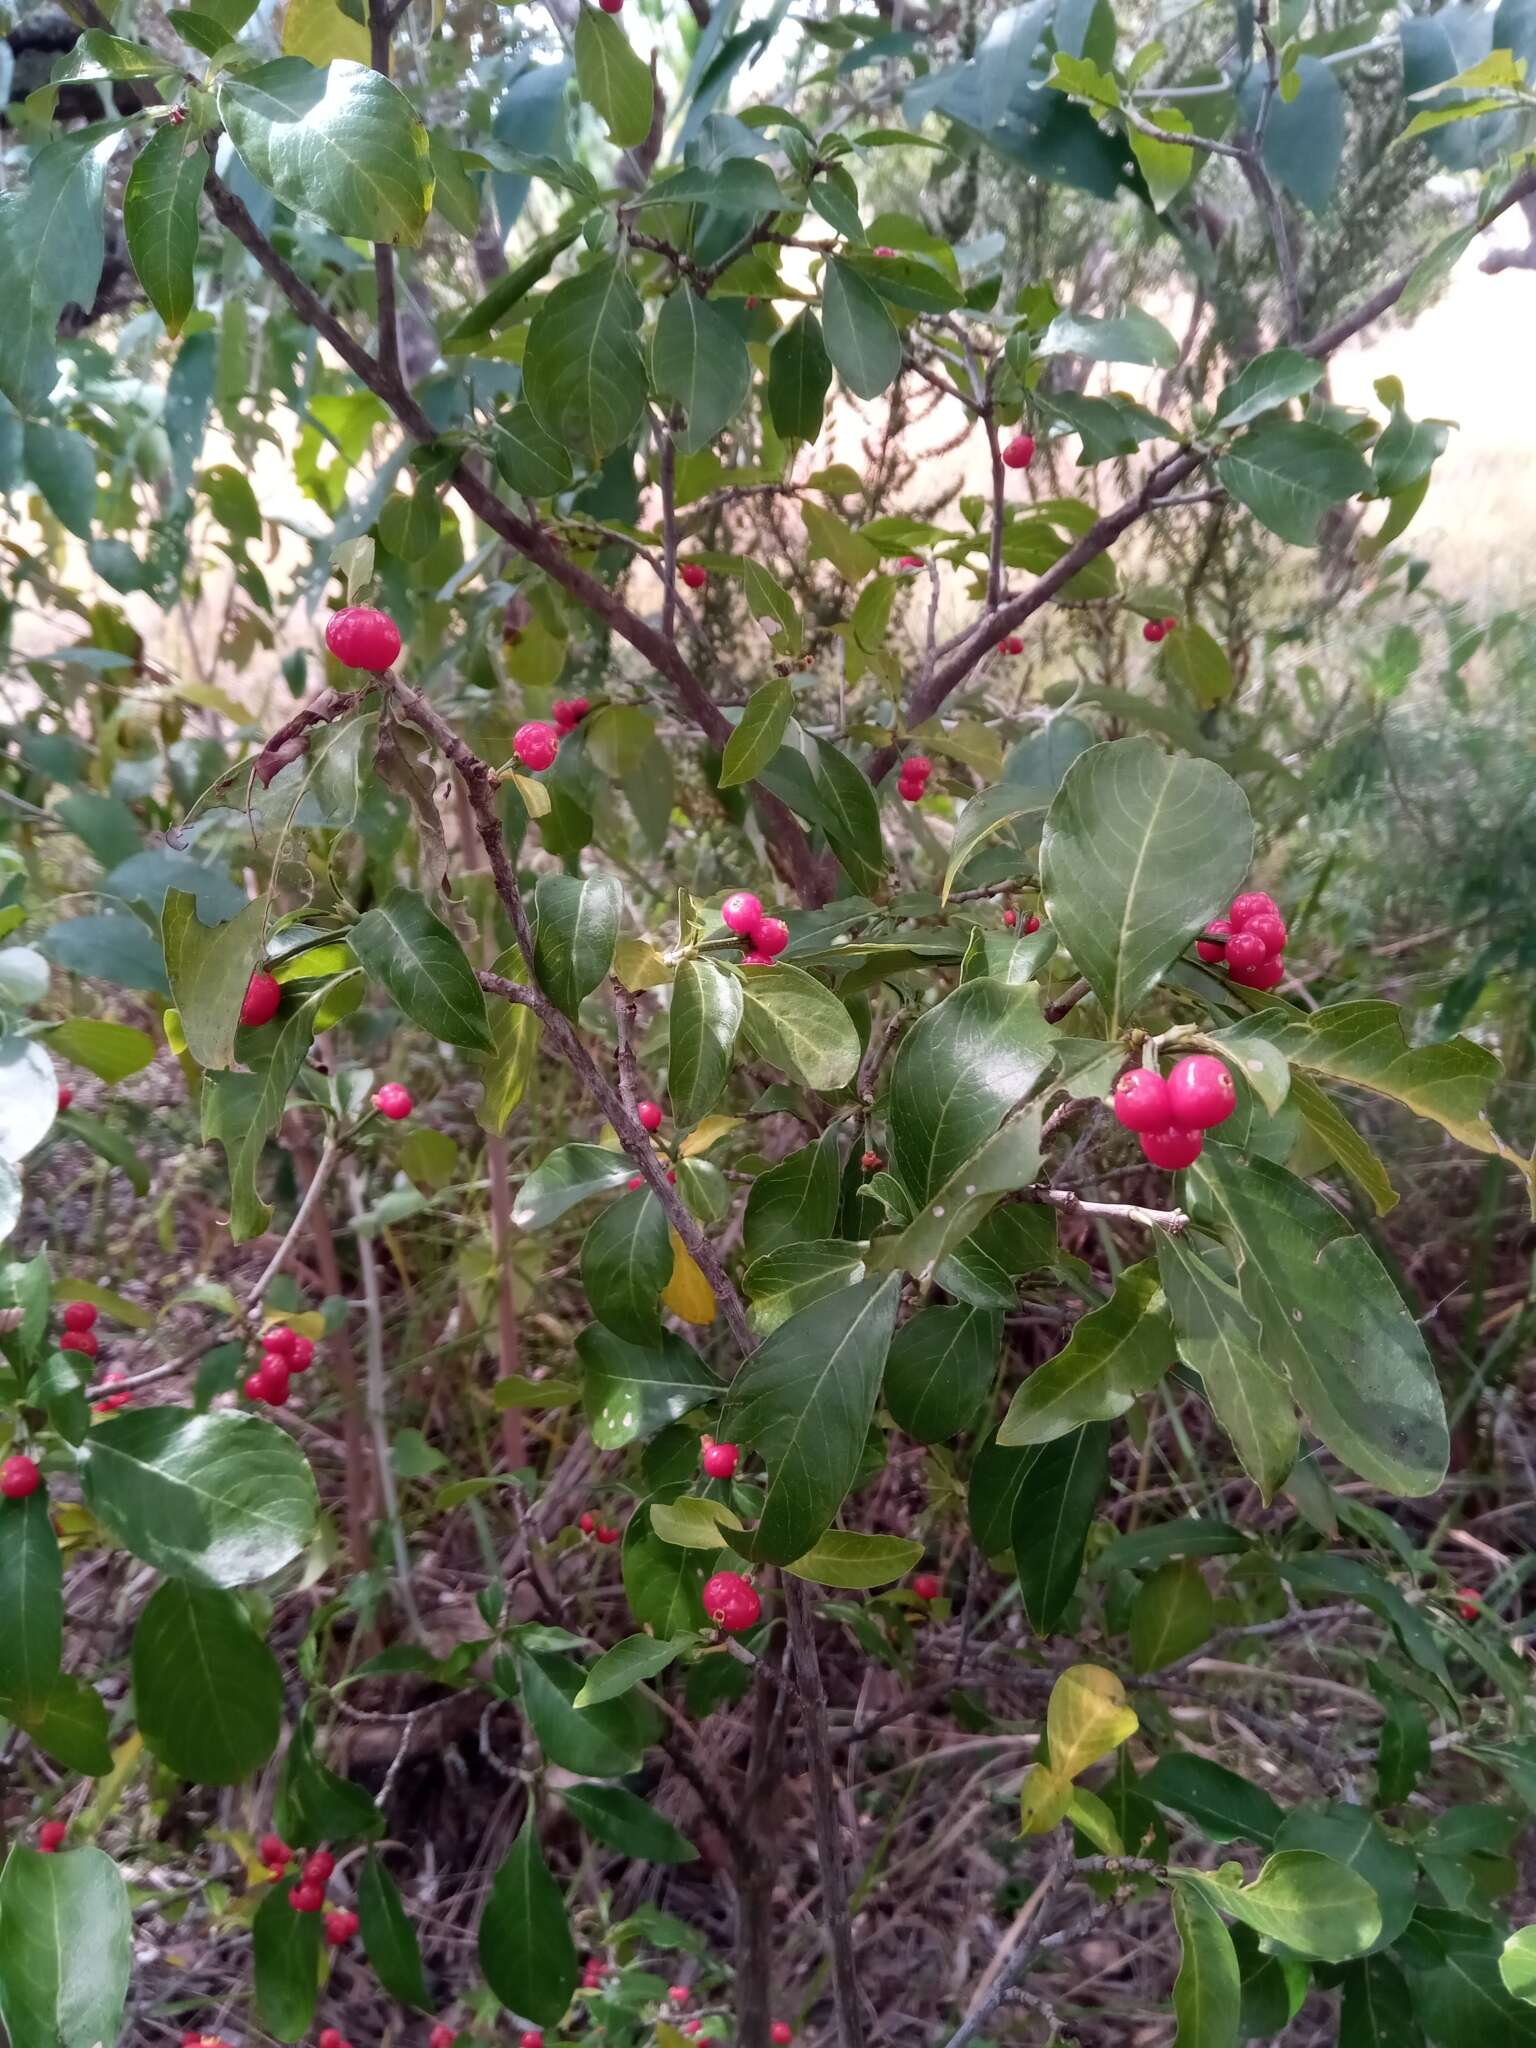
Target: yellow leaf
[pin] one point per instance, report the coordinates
(687, 1293)
(316, 963)
(1044, 1798)
(536, 798)
(639, 965)
(1087, 1718)
(708, 1133)
(319, 30)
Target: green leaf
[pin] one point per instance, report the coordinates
(1353, 1837)
(242, 1111)
(1054, 1500)
(342, 144)
(1133, 338)
(631, 1390)
(109, 1051)
(1109, 427)
(1009, 1160)
(628, 1664)
(1315, 1906)
(1290, 472)
(69, 1723)
(222, 1500)
(1304, 134)
(795, 1201)
(861, 337)
(698, 357)
(1141, 850)
(758, 733)
(68, 1948)
(1172, 1614)
(1166, 166)
(804, 1400)
(1517, 1964)
(50, 257)
(1221, 1341)
(847, 1558)
(206, 1689)
(31, 1601)
(798, 1025)
(1268, 381)
(314, 1804)
(531, 459)
(99, 55)
(626, 1823)
(389, 1939)
(1220, 1803)
(619, 737)
(694, 1523)
(1198, 663)
(1377, 2009)
(704, 1019)
(576, 930)
(941, 1364)
(583, 373)
(570, 1175)
(423, 969)
(1115, 1354)
(320, 30)
(799, 378)
(1005, 805)
(611, 78)
(626, 1260)
(594, 1741)
(957, 1073)
(160, 206)
(209, 968)
(768, 599)
(287, 1947)
(795, 1275)
(1402, 1750)
(1332, 1321)
(1207, 1993)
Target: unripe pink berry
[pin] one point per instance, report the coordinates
(1141, 1100)
(393, 1101)
(1219, 928)
(263, 995)
(19, 1476)
(649, 1114)
(771, 936)
(741, 912)
(1020, 452)
(720, 1460)
(361, 637)
(1201, 1093)
(1174, 1148)
(1253, 903)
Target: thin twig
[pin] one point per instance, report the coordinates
(829, 1847)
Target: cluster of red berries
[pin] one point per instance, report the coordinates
(308, 1895)
(283, 1353)
(1170, 1116)
(1158, 629)
(1020, 452)
(360, 637)
(393, 1101)
(594, 1970)
(1250, 940)
(1011, 920)
(589, 1525)
(763, 938)
(536, 744)
(719, 1460)
(263, 996)
(568, 713)
(913, 779)
(731, 1602)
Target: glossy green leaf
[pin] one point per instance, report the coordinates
(1304, 133)
(109, 1051)
(1220, 1803)
(1354, 1837)
(626, 1260)
(1006, 806)
(1517, 1964)
(1198, 664)
(1008, 1161)
(1315, 1906)
(956, 1074)
(583, 373)
(775, 607)
(525, 1946)
(757, 735)
(314, 1804)
(1167, 165)
(595, 1741)
(1207, 1993)
(1172, 1614)
(528, 456)
(389, 1939)
(612, 78)
(698, 357)
(222, 1499)
(804, 1401)
(342, 144)
(622, 1821)
(799, 378)
(632, 1390)
(67, 1950)
(1141, 850)
(50, 257)
(160, 219)
(1218, 1338)
(796, 1201)
(703, 1021)
(798, 1025)
(286, 1948)
(209, 968)
(67, 1722)
(419, 962)
(207, 1691)
(1377, 2009)
(783, 1281)
(31, 1600)
(629, 1663)
(1290, 473)
(1266, 382)
(861, 337)
(575, 932)
(1135, 337)
(848, 1558)
(1054, 1500)
(243, 1110)
(940, 1367)
(1115, 1354)
(570, 1175)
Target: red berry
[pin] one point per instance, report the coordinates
(742, 913)
(1269, 973)
(1222, 929)
(579, 707)
(586, 1522)
(1201, 1093)
(80, 1340)
(1269, 930)
(319, 1866)
(50, 1836)
(611, 6)
(884, 251)
(536, 744)
(1245, 949)
(531, 2037)
(927, 1586)
(441, 2036)
(262, 997)
(649, 1114)
(1169, 625)
(1471, 1605)
(19, 1476)
(771, 936)
(720, 1460)
(781, 2033)
(112, 1401)
(1010, 918)
(257, 1384)
(1254, 904)
(1173, 1148)
(360, 637)
(678, 1993)
(80, 1315)
(560, 712)
(910, 562)
(278, 1340)
(1012, 645)
(302, 1356)
(756, 959)
(731, 1602)
(917, 764)
(340, 1927)
(1020, 452)
(66, 1096)
(273, 1850)
(1031, 924)
(871, 1162)
(1154, 630)
(911, 792)
(605, 1535)
(694, 575)
(393, 1101)
(306, 1897)
(693, 2028)
(636, 1180)
(1141, 1100)
(331, 2037)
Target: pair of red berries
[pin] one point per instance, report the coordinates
(1170, 1115)
(731, 1602)
(263, 998)
(568, 712)
(392, 1101)
(694, 574)
(536, 744)
(79, 1321)
(764, 938)
(589, 1525)
(361, 637)
(1158, 629)
(718, 1460)
(913, 779)
(283, 1353)
(1011, 919)
(1020, 452)
(1249, 940)
(19, 1476)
